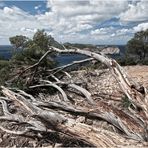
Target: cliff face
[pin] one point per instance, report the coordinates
(111, 50)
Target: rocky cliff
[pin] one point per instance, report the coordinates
(111, 50)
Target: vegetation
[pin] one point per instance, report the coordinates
(27, 52)
(81, 103)
(127, 60)
(1, 57)
(138, 45)
(136, 50)
(126, 102)
(32, 49)
(54, 106)
(4, 71)
(4, 63)
(130, 60)
(18, 41)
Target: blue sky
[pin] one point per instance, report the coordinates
(77, 21)
(32, 6)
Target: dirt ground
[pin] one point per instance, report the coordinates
(101, 84)
(139, 73)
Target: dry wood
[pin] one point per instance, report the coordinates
(61, 68)
(55, 86)
(117, 72)
(41, 116)
(49, 119)
(74, 86)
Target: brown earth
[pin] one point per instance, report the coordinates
(139, 74)
(107, 95)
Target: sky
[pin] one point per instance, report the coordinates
(75, 21)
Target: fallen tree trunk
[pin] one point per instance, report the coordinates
(41, 120)
(131, 92)
(42, 117)
(57, 69)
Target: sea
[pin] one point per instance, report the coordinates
(6, 51)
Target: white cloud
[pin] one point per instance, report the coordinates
(112, 35)
(103, 31)
(8, 10)
(70, 18)
(111, 31)
(75, 21)
(124, 31)
(28, 30)
(12, 22)
(140, 27)
(78, 28)
(37, 7)
(101, 9)
(136, 12)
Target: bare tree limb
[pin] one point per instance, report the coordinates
(36, 64)
(14, 132)
(5, 108)
(58, 69)
(50, 84)
(117, 72)
(84, 92)
(34, 111)
(109, 117)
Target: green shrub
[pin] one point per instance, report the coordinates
(127, 60)
(31, 56)
(126, 102)
(4, 72)
(4, 63)
(144, 62)
(1, 57)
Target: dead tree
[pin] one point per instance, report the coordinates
(131, 90)
(42, 116)
(41, 120)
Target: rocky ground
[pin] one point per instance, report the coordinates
(109, 98)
